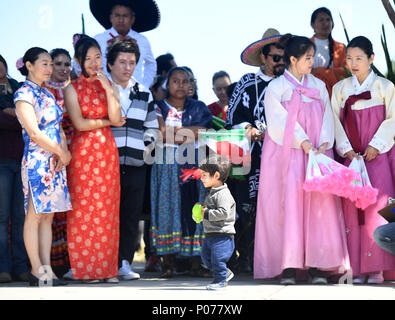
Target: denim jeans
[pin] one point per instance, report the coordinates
(13, 259)
(384, 236)
(216, 252)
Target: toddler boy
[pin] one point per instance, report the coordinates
(219, 214)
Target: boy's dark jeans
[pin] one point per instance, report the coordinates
(216, 252)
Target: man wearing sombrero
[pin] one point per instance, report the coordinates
(246, 111)
(118, 17)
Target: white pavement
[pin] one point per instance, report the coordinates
(242, 287)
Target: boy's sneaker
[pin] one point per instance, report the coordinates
(229, 275)
(126, 272)
(217, 285)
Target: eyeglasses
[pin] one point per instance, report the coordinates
(276, 57)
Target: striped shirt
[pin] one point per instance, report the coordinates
(141, 124)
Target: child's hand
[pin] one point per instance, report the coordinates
(198, 212)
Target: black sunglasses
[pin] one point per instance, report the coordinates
(276, 57)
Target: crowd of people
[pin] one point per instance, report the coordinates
(90, 145)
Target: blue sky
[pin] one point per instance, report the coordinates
(206, 35)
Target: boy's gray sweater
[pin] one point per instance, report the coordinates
(220, 216)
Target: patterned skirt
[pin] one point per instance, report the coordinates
(172, 227)
(59, 251)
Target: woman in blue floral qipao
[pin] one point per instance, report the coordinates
(43, 165)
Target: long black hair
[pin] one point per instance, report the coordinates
(313, 18)
(296, 46)
(170, 73)
(189, 70)
(81, 49)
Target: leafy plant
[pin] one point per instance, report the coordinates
(83, 23)
(390, 73)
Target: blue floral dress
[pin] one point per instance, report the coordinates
(48, 188)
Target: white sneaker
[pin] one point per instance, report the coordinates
(68, 275)
(359, 280)
(376, 278)
(217, 286)
(126, 272)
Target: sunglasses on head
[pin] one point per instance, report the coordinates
(276, 57)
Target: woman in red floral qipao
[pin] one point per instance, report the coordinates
(93, 173)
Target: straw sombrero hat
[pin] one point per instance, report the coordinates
(250, 55)
(147, 12)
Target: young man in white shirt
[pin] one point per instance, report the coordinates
(119, 17)
(131, 139)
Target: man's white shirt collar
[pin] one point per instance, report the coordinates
(263, 76)
(132, 82)
(115, 33)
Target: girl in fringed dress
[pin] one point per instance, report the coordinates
(364, 110)
(172, 228)
(295, 229)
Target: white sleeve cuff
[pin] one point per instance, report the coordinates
(379, 144)
(242, 125)
(344, 147)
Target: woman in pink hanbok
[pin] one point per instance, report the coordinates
(364, 111)
(295, 229)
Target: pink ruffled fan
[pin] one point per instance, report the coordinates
(362, 192)
(326, 175)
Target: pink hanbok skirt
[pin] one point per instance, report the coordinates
(295, 228)
(365, 255)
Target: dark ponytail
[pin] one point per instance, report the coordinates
(31, 56)
(331, 50)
